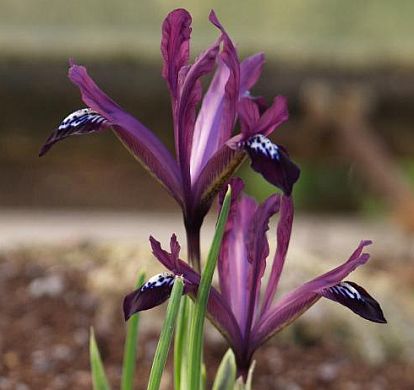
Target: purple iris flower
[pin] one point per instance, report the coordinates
(206, 151)
(244, 308)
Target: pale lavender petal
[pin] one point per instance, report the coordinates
(175, 47)
(185, 113)
(272, 162)
(293, 304)
(250, 71)
(284, 229)
(142, 143)
(152, 293)
(217, 115)
(357, 299)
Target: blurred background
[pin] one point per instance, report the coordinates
(76, 221)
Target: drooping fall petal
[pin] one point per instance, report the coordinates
(83, 121)
(272, 162)
(142, 143)
(293, 304)
(357, 299)
(153, 293)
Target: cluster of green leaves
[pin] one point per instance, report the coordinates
(187, 319)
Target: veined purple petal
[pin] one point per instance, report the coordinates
(293, 304)
(257, 252)
(284, 229)
(272, 162)
(273, 117)
(142, 143)
(249, 116)
(83, 121)
(233, 264)
(218, 170)
(217, 115)
(357, 299)
(152, 293)
(219, 312)
(175, 47)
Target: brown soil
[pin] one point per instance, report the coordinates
(46, 313)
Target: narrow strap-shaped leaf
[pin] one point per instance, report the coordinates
(226, 373)
(99, 379)
(164, 341)
(130, 347)
(197, 325)
(181, 344)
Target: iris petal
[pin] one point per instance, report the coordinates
(357, 299)
(272, 162)
(83, 121)
(153, 293)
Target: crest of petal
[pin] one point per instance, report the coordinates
(141, 142)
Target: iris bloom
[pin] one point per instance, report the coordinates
(207, 152)
(244, 308)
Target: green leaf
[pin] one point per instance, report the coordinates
(197, 324)
(226, 373)
(167, 331)
(250, 376)
(130, 347)
(99, 379)
(181, 345)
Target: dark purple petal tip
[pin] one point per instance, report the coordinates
(83, 121)
(272, 162)
(357, 299)
(154, 292)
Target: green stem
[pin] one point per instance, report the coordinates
(130, 347)
(197, 324)
(167, 331)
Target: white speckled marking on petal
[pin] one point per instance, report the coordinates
(261, 144)
(159, 280)
(80, 118)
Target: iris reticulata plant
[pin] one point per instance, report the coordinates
(210, 145)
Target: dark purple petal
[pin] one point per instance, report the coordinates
(175, 46)
(293, 304)
(154, 292)
(284, 229)
(257, 252)
(357, 299)
(273, 117)
(142, 143)
(272, 162)
(219, 312)
(83, 121)
(217, 115)
(250, 71)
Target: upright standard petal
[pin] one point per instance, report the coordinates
(175, 47)
(293, 304)
(217, 115)
(142, 143)
(250, 71)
